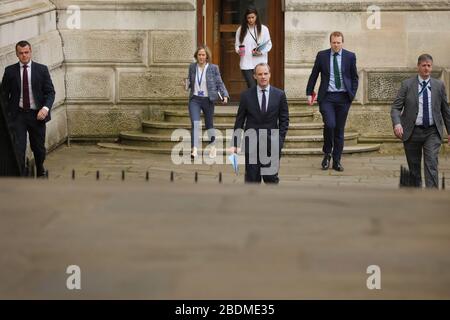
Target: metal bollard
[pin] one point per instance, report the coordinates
(147, 176)
(123, 175)
(171, 176)
(73, 174)
(443, 181)
(196, 177)
(220, 177)
(98, 175)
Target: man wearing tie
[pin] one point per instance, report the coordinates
(264, 111)
(30, 94)
(338, 86)
(418, 115)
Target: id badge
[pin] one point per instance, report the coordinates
(201, 93)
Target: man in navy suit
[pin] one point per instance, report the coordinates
(264, 111)
(338, 86)
(30, 94)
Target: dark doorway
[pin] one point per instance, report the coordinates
(223, 17)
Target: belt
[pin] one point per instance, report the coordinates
(422, 127)
(27, 110)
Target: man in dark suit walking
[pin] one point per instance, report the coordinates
(338, 86)
(264, 111)
(30, 94)
(418, 116)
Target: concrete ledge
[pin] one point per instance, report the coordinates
(15, 10)
(362, 5)
(128, 5)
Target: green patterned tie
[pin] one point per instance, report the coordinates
(337, 77)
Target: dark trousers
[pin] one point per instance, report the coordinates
(427, 142)
(253, 170)
(249, 79)
(196, 105)
(334, 109)
(27, 122)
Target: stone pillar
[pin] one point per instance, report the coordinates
(124, 60)
(35, 21)
(385, 55)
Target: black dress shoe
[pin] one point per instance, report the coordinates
(337, 166)
(41, 172)
(326, 161)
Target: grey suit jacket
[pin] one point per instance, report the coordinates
(214, 81)
(405, 107)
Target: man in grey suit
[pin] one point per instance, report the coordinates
(418, 115)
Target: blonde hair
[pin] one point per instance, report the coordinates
(208, 52)
(337, 34)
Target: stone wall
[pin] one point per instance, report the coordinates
(385, 56)
(126, 59)
(35, 21)
(125, 62)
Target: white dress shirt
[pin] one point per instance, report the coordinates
(419, 119)
(30, 89)
(260, 94)
(202, 87)
(248, 61)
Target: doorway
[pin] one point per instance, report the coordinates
(217, 28)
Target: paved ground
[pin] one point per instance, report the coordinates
(362, 170)
(184, 241)
(162, 240)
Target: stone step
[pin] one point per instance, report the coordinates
(229, 115)
(359, 148)
(167, 128)
(137, 138)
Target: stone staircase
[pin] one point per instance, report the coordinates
(304, 135)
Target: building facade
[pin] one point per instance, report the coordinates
(116, 63)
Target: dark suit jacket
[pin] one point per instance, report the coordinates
(43, 91)
(322, 66)
(249, 115)
(406, 106)
(214, 81)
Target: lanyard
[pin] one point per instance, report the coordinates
(255, 37)
(423, 87)
(199, 80)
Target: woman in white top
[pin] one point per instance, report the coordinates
(252, 44)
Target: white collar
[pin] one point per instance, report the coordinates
(266, 88)
(422, 80)
(28, 64)
(339, 52)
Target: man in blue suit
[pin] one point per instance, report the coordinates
(338, 86)
(29, 91)
(263, 114)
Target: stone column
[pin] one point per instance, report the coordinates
(125, 61)
(35, 21)
(386, 54)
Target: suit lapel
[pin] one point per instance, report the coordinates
(416, 92)
(33, 75)
(18, 75)
(434, 95)
(327, 60)
(270, 104)
(255, 96)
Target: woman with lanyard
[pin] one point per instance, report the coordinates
(252, 44)
(206, 87)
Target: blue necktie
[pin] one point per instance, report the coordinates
(426, 114)
(263, 101)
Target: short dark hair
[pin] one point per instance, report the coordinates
(261, 64)
(23, 44)
(208, 52)
(424, 57)
(337, 34)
